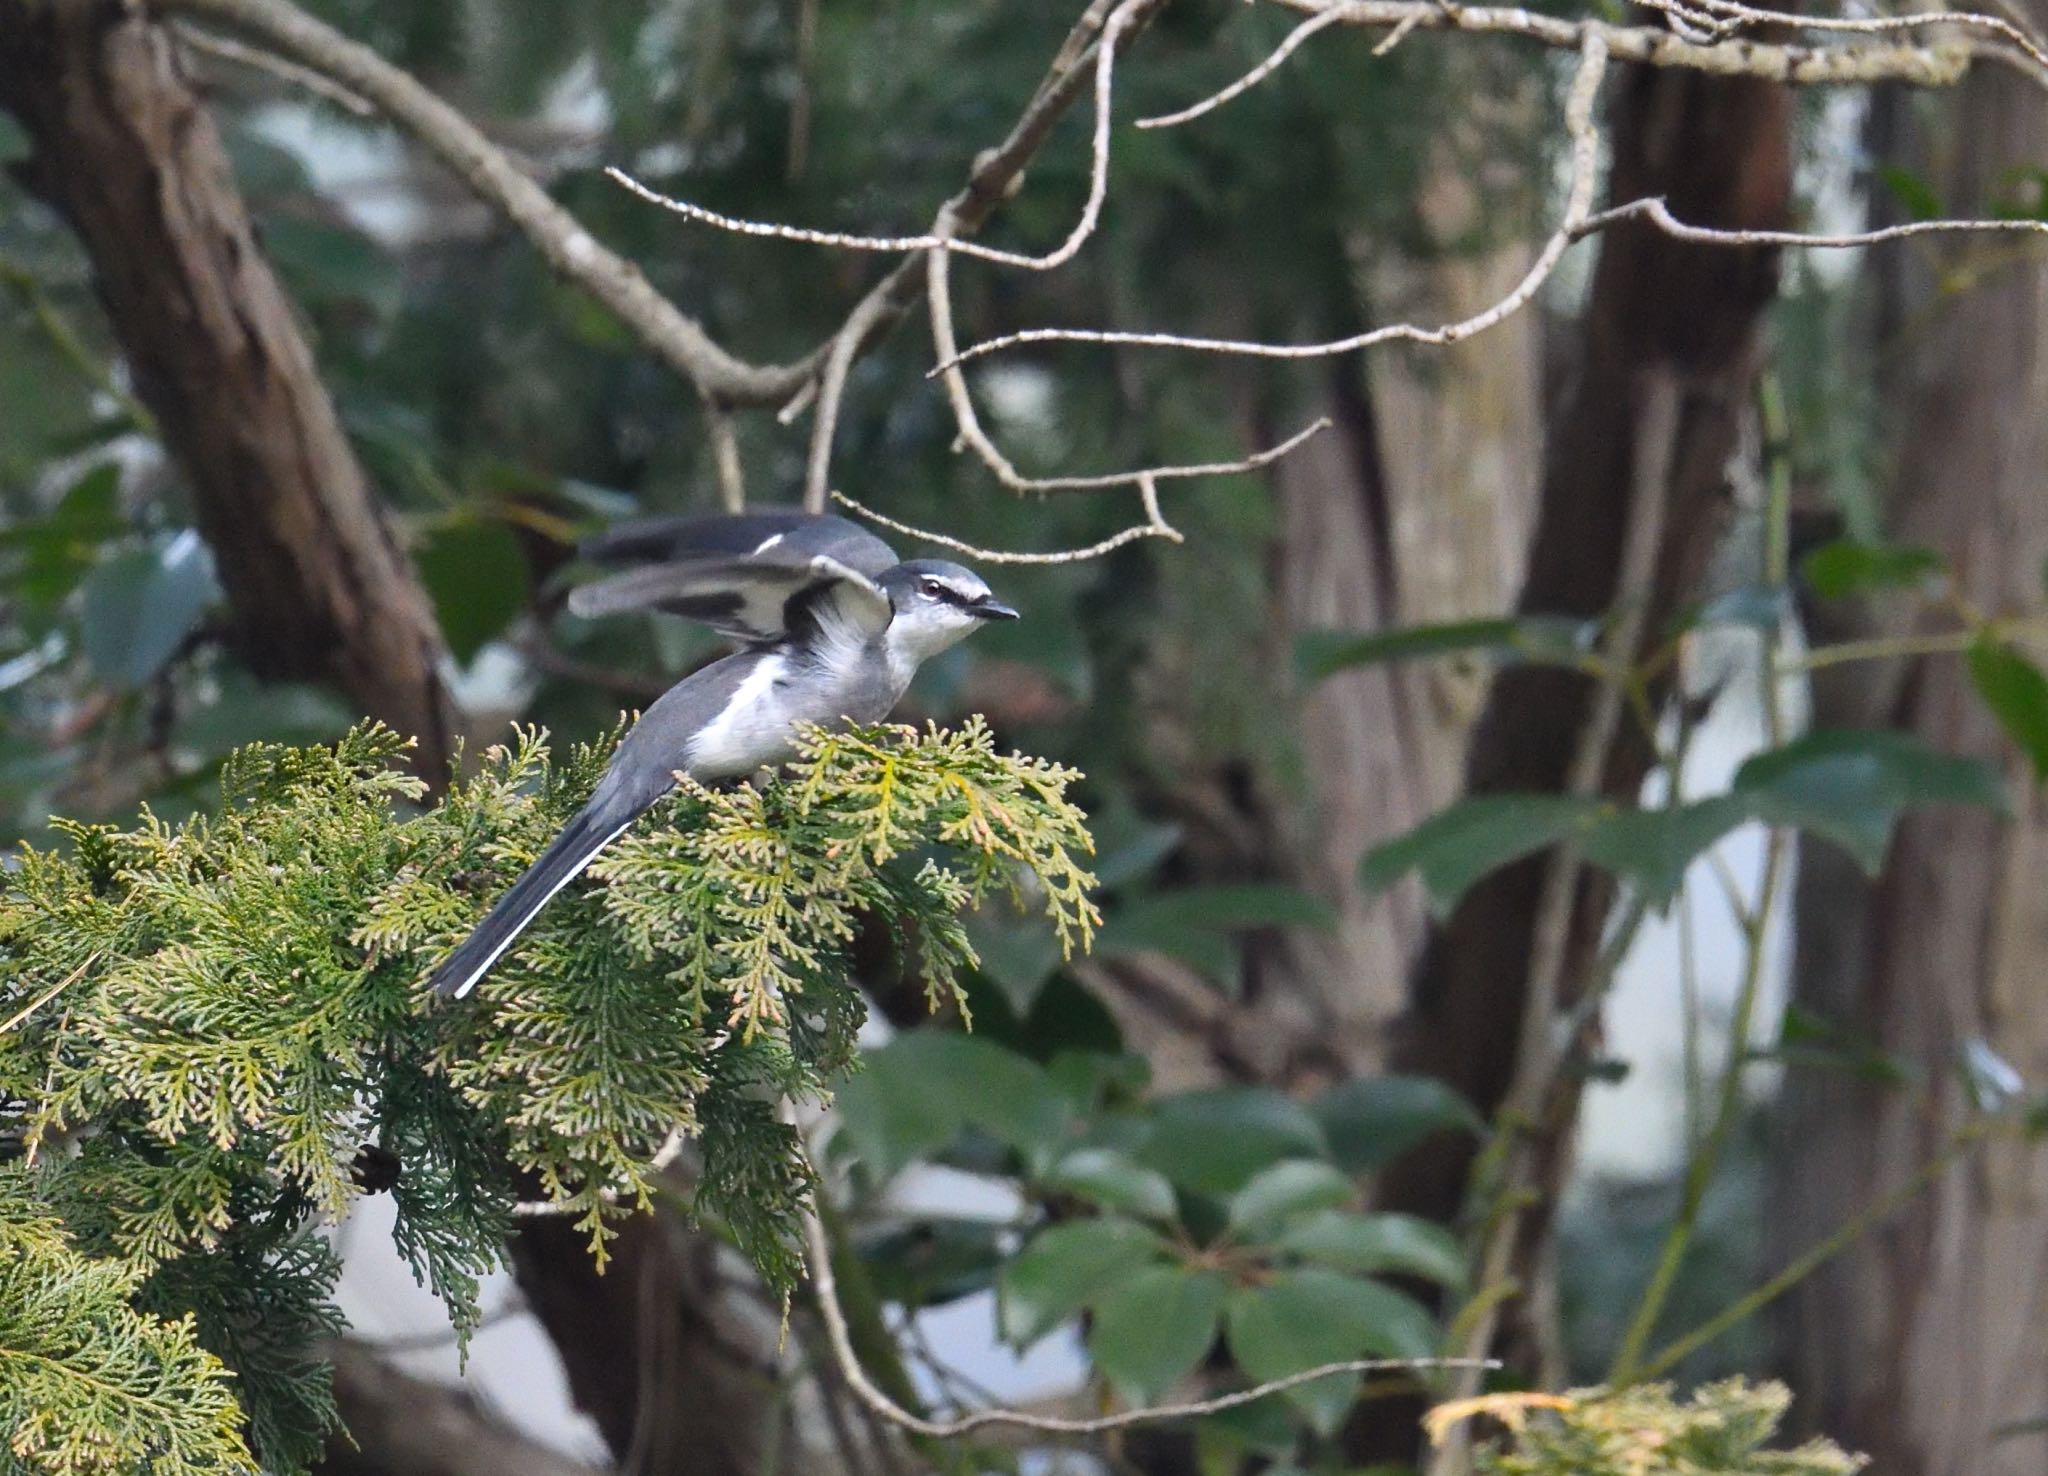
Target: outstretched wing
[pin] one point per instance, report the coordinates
(753, 578)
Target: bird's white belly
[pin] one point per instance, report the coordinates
(756, 728)
(752, 731)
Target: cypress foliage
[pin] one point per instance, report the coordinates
(217, 1015)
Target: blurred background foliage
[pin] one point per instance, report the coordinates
(1203, 1195)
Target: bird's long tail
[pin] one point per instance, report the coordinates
(590, 831)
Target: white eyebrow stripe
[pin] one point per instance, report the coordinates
(767, 543)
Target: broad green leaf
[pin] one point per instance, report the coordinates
(1654, 847)
(1066, 1269)
(1372, 1120)
(1373, 1243)
(929, 1262)
(1278, 1195)
(918, 1092)
(1113, 1180)
(139, 608)
(1305, 1318)
(1322, 653)
(1846, 567)
(1457, 846)
(2017, 694)
(1850, 785)
(1151, 1330)
(476, 574)
(1213, 1141)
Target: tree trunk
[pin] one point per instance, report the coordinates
(124, 149)
(1924, 1339)
(1660, 311)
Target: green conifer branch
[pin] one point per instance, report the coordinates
(242, 1008)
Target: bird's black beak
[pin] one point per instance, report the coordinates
(988, 607)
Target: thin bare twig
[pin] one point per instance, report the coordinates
(945, 347)
(1585, 154)
(1154, 526)
(1091, 211)
(1256, 75)
(818, 1251)
(1938, 65)
(1659, 214)
(725, 457)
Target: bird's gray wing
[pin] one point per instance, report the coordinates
(753, 578)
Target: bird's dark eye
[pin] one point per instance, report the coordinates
(932, 587)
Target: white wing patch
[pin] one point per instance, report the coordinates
(765, 544)
(859, 599)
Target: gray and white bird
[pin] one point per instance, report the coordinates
(831, 627)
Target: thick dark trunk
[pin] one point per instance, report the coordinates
(125, 150)
(1921, 1341)
(1660, 311)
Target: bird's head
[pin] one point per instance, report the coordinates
(936, 604)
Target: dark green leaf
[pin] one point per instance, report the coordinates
(328, 264)
(1322, 653)
(2023, 193)
(1213, 1141)
(1018, 953)
(1457, 846)
(1372, 1120)
(1653, 848)
(1193, 923)
(1067, 1269)
(1128, 846)
(1913, 193)
(1303, 1319)
(477, 576)
(1846, 567)
(139, 608)
(1276, 1196)
(1375, 1243)
(921, 1089)
(2017, 694)
(1850, 785)
(1113, 1180)
(1151, 1330)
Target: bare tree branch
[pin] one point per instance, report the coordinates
(1091, 210)
(1939, 65)
(1585, 154)
(1659, 214)
(1154, 526)
(678, 339)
